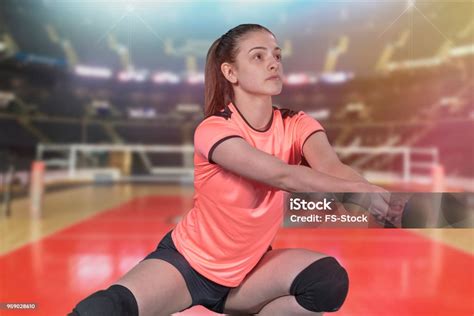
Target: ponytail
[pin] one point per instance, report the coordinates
(218, 91)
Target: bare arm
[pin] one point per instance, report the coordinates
(237, 156)
(343, 171)
(321, 156)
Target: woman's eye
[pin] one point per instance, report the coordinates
(278, 57)
(258, 56)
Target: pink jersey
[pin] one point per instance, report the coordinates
(235, 219)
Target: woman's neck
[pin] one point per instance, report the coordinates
(257, 110)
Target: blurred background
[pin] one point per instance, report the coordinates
(99, 101)
(390, 75)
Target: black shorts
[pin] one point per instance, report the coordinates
(203, 291)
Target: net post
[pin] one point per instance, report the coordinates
(438, 176)
(406, 164)
(36, 188)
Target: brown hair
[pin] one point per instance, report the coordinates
(219, 91)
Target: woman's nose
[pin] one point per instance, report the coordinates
(275, 64)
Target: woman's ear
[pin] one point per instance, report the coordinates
(228, 72)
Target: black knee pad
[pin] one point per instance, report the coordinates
(116, 300)
(322, 286)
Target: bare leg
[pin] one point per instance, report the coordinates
(158, 287)
(285, 305)
(269, 280)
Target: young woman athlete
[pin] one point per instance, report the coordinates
(246, 154)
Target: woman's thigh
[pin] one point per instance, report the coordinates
(270, 279)
(158, 287)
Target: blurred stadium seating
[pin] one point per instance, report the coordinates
(421, 96)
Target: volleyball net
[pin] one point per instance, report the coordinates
(112, 163)
(116, 163)
(130, 163)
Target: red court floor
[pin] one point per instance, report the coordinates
(392, 272)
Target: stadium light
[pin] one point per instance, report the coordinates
(96, 72)
(462, 51)
(300, 79)
(142, 113)
(188, 108)
(166, 77)
(297, 79)
(138, 76)
(336, 77)
(196, 78)
(322, 114)
(415, 63)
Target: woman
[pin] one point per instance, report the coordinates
(246, 154)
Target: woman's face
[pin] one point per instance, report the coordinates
(257, 69)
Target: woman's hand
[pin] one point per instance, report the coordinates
(379, 205)
(371, 198)
(398, 202)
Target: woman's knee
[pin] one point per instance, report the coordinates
(116, 300)
(322, 286)
(150, 288)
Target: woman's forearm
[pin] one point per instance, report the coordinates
(343, 171)
(304, 179)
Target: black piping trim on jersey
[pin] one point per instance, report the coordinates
(270, 123)
(286, 112)
(307, 137)
(225, 113)
(209, 155)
